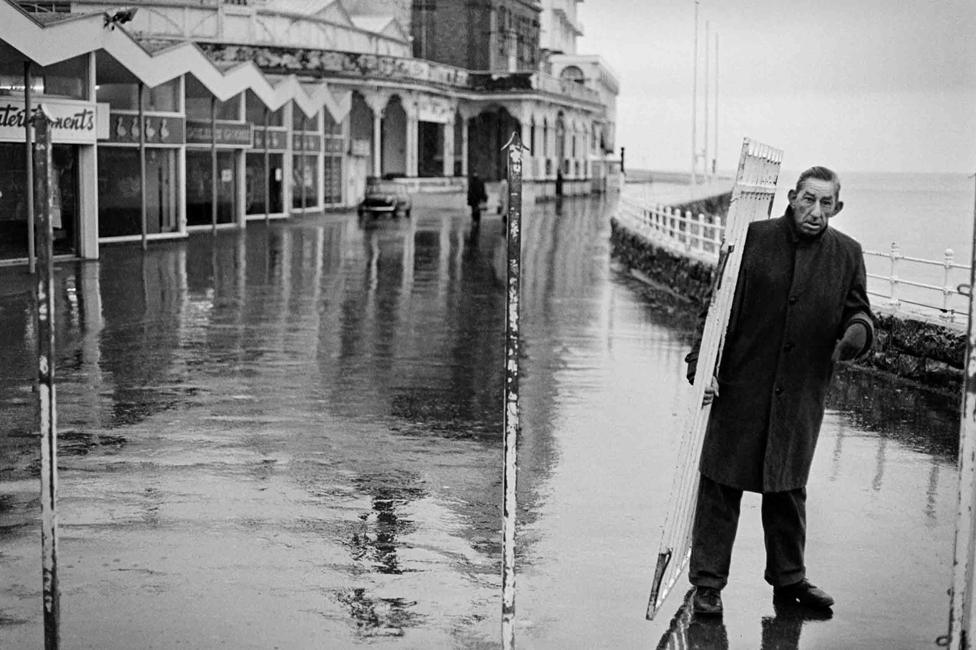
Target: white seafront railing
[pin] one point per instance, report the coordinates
(694, 235)
(904, 283)
(926, 278)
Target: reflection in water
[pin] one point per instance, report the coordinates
(688, 631)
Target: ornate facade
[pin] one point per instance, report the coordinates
(208, 114)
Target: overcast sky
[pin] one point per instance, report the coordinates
(859, 85)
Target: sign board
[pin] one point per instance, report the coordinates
(360, 147)
(124, 128)
(433, 109)
(311, 142)
(229, 134)
(72, 121)
(277, 140)
(334, 145)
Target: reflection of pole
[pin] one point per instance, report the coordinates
(962, 618)
(45, 380)
(29, 166)
(511, 415)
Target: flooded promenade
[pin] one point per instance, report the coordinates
(290, 437)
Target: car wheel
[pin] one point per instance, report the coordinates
(407, 213)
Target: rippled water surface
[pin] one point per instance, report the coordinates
(291, 437)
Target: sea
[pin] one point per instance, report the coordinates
(923, 213)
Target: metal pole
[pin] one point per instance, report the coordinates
(715, 152)
(705, 171)
(301, 158)
(142, 163)
(962, 618)
(267, 169)
(694, 104)
(29, 167)
(511, 414)
(47, 406)
(213, 165)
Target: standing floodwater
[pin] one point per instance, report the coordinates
(291, 437)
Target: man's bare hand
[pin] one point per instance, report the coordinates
(711, 392)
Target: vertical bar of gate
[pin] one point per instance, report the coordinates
(29, 167)
(47, 406)
(511, 413)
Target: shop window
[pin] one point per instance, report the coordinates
(67, 78)
(163, 98)
(254, 112)
(332, 173)
(125, 96)
(198, 100)
(199, 190)
(329, 125)
(304, 188)
(13, 199)
(301, 122)
(258, 184)
(119, 192)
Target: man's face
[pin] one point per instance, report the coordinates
(813, 204)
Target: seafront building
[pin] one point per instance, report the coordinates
(174, 116)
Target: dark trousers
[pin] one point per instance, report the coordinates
(784, 521)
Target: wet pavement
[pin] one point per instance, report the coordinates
(290, 437)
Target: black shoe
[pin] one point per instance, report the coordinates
(804, 593)
(707, 601)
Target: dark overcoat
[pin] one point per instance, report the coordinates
(794, 299)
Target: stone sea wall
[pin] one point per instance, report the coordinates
(928, 353)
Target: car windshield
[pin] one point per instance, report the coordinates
(384, 188)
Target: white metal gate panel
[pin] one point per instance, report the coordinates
(752, 199)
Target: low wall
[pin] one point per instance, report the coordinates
(928, 353)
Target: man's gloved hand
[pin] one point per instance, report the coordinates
(852, 342)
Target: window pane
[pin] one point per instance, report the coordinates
(257, 183)
(13, 201)
(161, 195)
(119, 203)
(198, 189)
(164, 97)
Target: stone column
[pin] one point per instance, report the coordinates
(449, 148)
(377, 103)
(377, 142)
(411, 141)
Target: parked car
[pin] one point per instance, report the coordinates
(385, 196)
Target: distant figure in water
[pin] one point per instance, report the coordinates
(800, 306)
(476, 196)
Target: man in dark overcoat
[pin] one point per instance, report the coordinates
(800, 306)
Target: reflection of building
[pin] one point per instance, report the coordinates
(181, 116)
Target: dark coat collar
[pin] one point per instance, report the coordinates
(789, 226)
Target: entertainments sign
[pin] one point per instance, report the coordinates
(72, 121)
